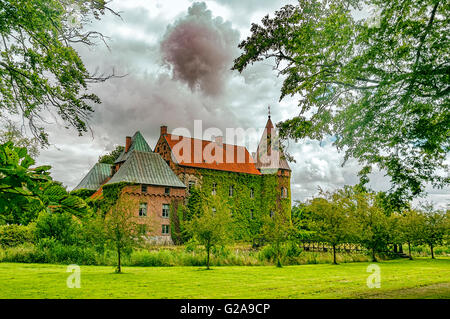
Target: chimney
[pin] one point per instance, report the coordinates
(127, 143)
(163, 130)
(218, 140)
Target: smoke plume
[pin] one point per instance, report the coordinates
(200, 49)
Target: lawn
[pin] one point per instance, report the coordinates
(421, 278)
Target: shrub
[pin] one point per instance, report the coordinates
(60, 226)
(14, 235)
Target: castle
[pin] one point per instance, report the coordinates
(159, 180)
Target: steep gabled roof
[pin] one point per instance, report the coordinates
(240, 160)
(270, 157)
(95, 177)
(146, 168)
(138, 143)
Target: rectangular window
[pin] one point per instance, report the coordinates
(251, 213)
(231, 191)
(213, 210)
(167, 190)
(214, 187)
(283, 192)
(144, 188)
(165, 229)
(142, 209)
(165, 210)
(252, 192)
(272, 213)
(190, 185)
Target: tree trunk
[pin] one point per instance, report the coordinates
(395, 248)
(374, 259)
(208, 249)
(334, 254)
(432, 252)
(400, 248)
(409, 250)
(119, 268)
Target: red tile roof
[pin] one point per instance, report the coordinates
(193, 152)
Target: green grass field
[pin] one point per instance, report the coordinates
(422, 278)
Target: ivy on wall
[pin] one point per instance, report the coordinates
(111, 193)
(248, 211)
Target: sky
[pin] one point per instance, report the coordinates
(177, 57)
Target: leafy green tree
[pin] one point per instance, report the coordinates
(330, 218)
(20, 185)
(124, 230)
(379, 84)
(370, 225)
(39, 67)
(111, 157)
(436, 227)
(412, 228)
(277, 230)
(212, 227)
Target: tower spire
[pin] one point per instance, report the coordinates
(269, 111)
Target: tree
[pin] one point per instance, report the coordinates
(380, 87)
(436, 227)
(370, 224)
(330, 218)
(212, 226)
(39, 68)
(111, 157)
(12, 134)
(124, 230)
(277, 229)
(20, 185)
(411, 228)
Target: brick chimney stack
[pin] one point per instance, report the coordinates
(163, 130)
(127, 143)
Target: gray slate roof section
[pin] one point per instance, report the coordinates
(138, 143)
(146, 168)
(95, 177)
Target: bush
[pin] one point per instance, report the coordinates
(14, 235)
(61, 226)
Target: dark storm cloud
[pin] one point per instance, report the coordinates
(200, 49)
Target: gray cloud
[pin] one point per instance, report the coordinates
(200, 49)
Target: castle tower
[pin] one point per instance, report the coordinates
(272, 163)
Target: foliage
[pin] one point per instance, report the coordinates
(15, 235)
(247, 211)
(411, 228)
(436, 227)
(212, 226)
(58, 226)
(380, 87)
(12, 134)
(111, 157)
(55, 197)
(20, 185)
(330, 217)
(277, 230)
(82, 193)
(39, 68)
(123, 228)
